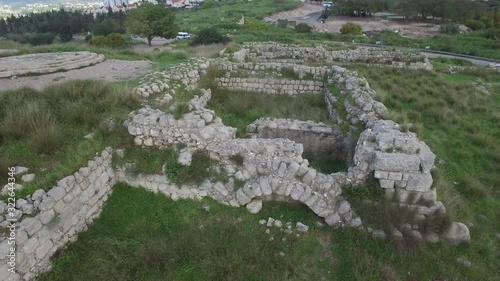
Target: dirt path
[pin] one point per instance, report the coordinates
(109, 70)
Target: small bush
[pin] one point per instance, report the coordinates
(46, 137)
(351, 28)
(475, 24)
(33, 39)
(450, 28)
(491, 33)
(106, 27)
(20, 121)
(209, 36)
(207, 4)
(238, 159)
(303, 28)
(88, 38)
(98, 41)
(113, 40)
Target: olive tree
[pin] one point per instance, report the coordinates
(150, 20)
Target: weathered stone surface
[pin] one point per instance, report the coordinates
(419, 182)
(458, 233)
(254, 206)
(301, 227)
(57, 193)
(242, 197)
(396, 162)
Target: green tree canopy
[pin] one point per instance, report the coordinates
(151, 20)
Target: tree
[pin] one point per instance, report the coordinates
(151, 20)
(4, 29)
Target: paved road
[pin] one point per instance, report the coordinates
(312, 17)
(474, 61)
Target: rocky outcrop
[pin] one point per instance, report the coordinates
(44, 63)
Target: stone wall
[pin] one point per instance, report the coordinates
(186, 74)
(272, 86)
(273, 52)
(56, 217)
(272, 168)
(317, 138)
(394, 156)
(302, 71)
(361, 104)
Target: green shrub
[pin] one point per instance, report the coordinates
(33, 39)
(450, 28)
(475, 24)
(303, 28)
(207, 4)
(209, 36)
(351, 28)
(98, 41)
(46, 137)
(66, 35)
(19, 121)
(115, 40)
(106, 27)
(88, 38)
(491, 33)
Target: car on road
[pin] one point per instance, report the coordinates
(183, 35)
(327, 4)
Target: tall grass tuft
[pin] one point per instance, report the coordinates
(46, 137)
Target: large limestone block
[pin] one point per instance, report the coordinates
(458, 233)
(426, 157)
(419, 182)
(396, 162)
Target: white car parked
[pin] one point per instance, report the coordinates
(183, 35)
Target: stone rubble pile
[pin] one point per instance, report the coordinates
(157, 82)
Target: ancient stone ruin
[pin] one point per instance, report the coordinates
(44, 63)
(272, 165)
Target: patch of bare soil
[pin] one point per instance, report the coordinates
(109, 70)
(309, 13)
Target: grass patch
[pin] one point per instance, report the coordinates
(239, 109)
(324, 164)
(44, 130)
(185, 242)
(237, 159)
(459, 123)
(202, 167)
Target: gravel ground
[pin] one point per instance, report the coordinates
(109, 70)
